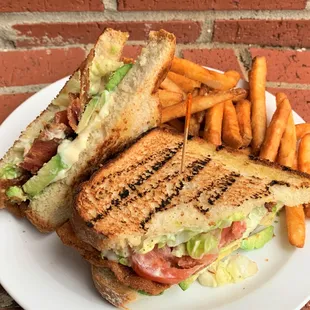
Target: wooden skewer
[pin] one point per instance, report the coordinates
(186, 127)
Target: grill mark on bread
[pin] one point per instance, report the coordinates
(195, 168)
(222, 186)
(157, 188)
(275, 182)
(168, 154)
(142, 162)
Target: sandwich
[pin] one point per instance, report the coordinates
(105, 105)
(145, 226)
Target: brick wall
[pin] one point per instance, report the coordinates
(42, 41)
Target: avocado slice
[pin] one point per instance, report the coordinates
(184, 285)
(95, 104)
(258, 240)
(87, 114)
(117, 77)
(9, 171)
(45, 176)
(15, 193)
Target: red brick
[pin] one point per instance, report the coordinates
(198, 5)
(63, 33)
(132, 51)
(286, 66)
(264, 32)
(50, 6)
(217, 58)
(8, 103)
(38, 66)
(299, 98)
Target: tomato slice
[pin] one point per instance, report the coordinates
(161, 266)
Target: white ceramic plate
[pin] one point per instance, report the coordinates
(40, 273)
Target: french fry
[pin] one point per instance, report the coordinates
(167, 84)
(186, 84)
(304, 162)
(213, 124)
(301, 130)
(295, 216)
(295, 162)
(201, 103)
(210, 78)
(168, 98)
(287, 150)
(194, 123)
(275, 130)
(257, 85)
(230, 131)
(304, 154)
(243, 109)
(177, 124)
(296, 228)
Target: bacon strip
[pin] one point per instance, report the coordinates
(232, 233)
(61, 117)
(39, 153)
(74, 110)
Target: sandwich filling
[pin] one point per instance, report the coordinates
(181, 258)
(48, 157)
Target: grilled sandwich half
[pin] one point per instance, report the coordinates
(104, 106)
(145, 226)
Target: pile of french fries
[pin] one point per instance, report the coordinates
(236, 117)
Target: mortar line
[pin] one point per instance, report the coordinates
(22, 89)
(243, 69)
(111, 14)
(194, 45)
(288, 85)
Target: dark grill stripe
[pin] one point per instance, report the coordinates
(195, 168)
(170, 153)
(164, 152)
(221, 185)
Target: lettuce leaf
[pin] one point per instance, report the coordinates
(203, 244)
(9, 171)
(234, 269)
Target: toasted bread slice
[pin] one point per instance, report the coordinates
(132, 109)
(142, 194)
(111, 289)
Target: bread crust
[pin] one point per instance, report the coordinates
(111, 289)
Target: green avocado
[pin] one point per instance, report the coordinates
(45, 176)
(258, 240)
(95, 104)
(87, 114)
(184, 285)
(15, 193)
(117, 77)
(9, 171)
